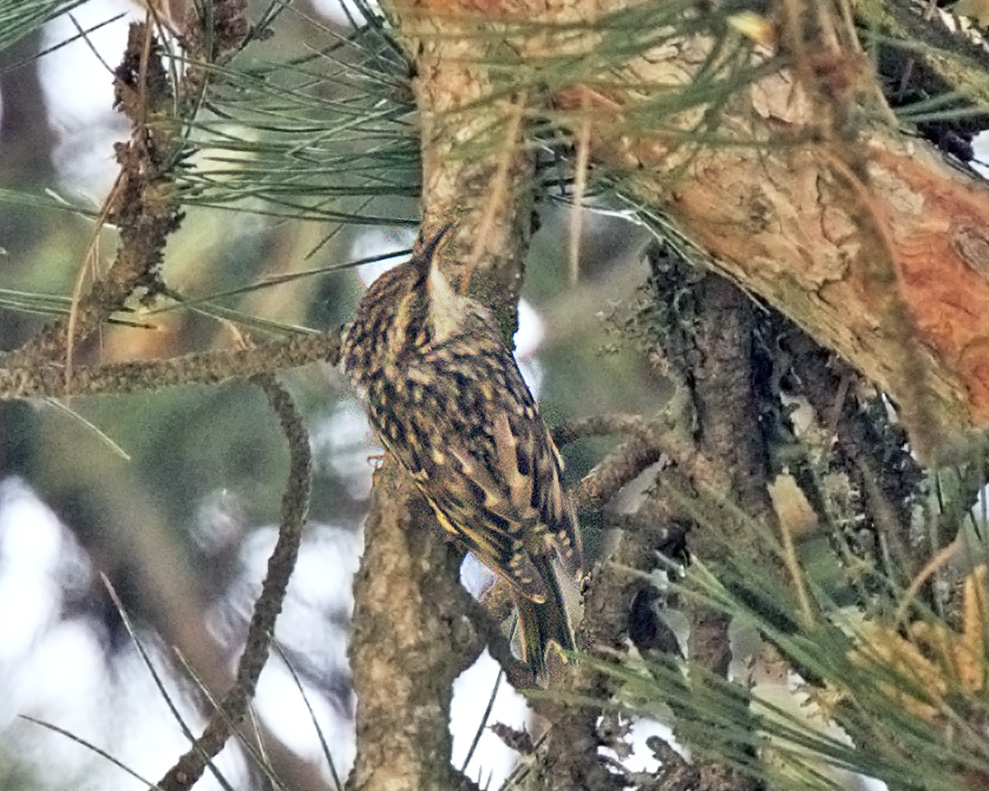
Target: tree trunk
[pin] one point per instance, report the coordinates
(813, 198)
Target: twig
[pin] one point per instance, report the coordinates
(142, 204)
(623, 465)
(581, 167)
(295, 506)
(37, 381)
(653, 439)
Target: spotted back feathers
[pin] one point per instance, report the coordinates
(446, 398)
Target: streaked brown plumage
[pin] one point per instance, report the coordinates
(448, 402)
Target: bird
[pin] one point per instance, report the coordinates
(445, 397)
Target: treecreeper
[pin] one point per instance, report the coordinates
(446, 399)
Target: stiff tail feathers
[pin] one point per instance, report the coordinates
(542, 624)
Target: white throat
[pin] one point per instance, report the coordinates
(447, 308)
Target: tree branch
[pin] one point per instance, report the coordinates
(38, 380)
(803, 233)
(295, 505)
(411, 637)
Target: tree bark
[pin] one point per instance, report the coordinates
(814, 199)
(866, 237)
(410, 641)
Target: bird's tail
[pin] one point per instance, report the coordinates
(543, 623)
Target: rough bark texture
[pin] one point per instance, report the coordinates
(476, 170)
(883, 259)
(800, 238)
(410, 640)
(728, 429)
(866, 237)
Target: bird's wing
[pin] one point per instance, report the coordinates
(484, 460)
